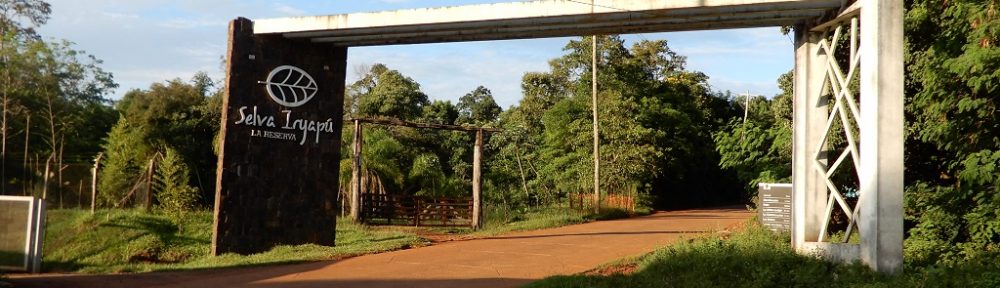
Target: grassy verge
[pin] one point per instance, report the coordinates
(112, 241)
(756, 257)
(133, 241)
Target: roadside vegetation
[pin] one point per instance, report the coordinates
(757, 257)
(127, 240)
(133, 240)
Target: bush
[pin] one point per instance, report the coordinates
(121, 162)
(174, 194)
(757, 257)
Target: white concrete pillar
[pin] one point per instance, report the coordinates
(882, 135)
(810, 112)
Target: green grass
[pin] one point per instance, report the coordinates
(115, 240)
(111, 241)
(756, 257)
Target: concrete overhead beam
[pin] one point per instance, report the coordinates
(754, 19)
(541, 18)
(562, 33)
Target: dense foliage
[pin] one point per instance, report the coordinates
(656, 126)
(759, 149)
(757, 257)
(953, 144)
(177, 116)
(656, 121)
(173, 192)
(54, 110)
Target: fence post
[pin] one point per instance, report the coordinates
(149, 183)
(93, 182)
(477, 198)
(416, 212)
(356, 173)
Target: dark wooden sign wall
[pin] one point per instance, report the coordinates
(280, 152)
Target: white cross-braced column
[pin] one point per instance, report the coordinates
(825, 95)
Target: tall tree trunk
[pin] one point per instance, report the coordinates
(3, 129)
(53, 144)
(597, 140)
(45, 178)
(3, 125)
(524, 181)
(59, 172)
(27, 136)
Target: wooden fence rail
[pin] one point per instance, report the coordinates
(381, 209)
(614, 201)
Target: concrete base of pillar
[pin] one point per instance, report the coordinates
(834, 252)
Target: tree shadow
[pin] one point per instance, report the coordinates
(165, 232)
(245, 277)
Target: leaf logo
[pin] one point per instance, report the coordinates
(290, 86)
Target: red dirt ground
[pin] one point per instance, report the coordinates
(508, 260)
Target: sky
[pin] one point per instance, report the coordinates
(149, 41)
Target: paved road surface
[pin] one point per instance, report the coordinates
(503, 261)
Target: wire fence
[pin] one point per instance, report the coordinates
(68, 186)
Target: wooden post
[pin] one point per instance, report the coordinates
(416, 212)
(149, 183)
(356, 174)
(477, 197)
(93, 182)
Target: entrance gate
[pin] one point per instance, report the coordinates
(441, 211)
(285, 87)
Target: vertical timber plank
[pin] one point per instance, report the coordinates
(882, 135)
(477, 197)
(93, 182)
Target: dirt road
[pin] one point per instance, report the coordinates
(504, 261)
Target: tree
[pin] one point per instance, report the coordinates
(953, 151)
(36, 13)
(174, 194)
(440, 112)
(760, 149)
(388, 94)
(657, 120)
(124, 154)
(478, 107)
(64, 90)
(177, 116)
